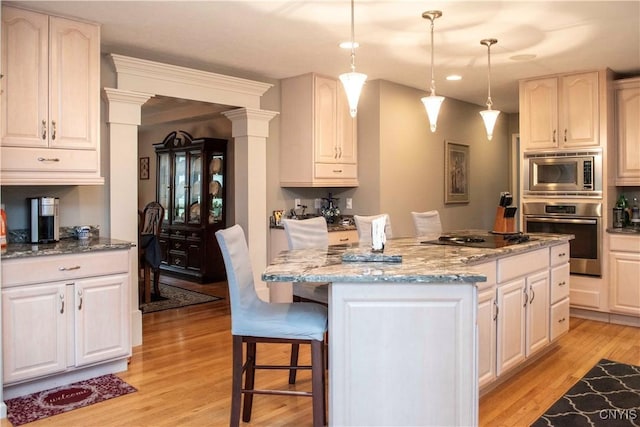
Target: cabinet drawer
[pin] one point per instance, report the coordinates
(624, 243)
(487, 269)
(178, 245)
(63, 267)
(560, 282)
(337, 170)
(522, 265)
(343, 237)
(559, 318)
(15, 159)
(559, 254)
(178, 259)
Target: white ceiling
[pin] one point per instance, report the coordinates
(277, 39)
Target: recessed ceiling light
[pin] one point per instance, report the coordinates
(523, 57)
(454, 77)
(347, 45)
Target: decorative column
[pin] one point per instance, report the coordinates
(250, 129)
(123, 119)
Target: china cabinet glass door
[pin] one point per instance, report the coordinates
(180, 188)
(216, 189)
(164, 182)
(195, 183)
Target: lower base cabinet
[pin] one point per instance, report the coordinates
(624, 270)
(62, 325)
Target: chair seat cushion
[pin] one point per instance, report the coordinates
(301, 320)
(318, 292)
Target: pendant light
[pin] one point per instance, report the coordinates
(489, 116)
(432, 102)
(353, 81)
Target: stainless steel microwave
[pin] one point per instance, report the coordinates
(563, 173)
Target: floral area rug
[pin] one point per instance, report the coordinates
(43, 404)
(174, 297)
(608, 395)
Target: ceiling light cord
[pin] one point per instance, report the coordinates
(433, 80)
(489, 102)
(353, 38)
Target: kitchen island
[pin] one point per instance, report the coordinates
(403, 344)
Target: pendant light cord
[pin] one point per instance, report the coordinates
(433, 81)
(489, 102)
(353, 38)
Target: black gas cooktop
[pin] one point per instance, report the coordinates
(481, 241)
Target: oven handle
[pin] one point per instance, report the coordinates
(562, 220)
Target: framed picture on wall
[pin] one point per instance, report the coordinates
(144, 168)
(456, 173)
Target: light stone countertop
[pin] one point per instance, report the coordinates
(421, 263)
(63, 247)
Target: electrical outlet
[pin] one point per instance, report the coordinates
(296, 203)
(317, 203)
(349, 203)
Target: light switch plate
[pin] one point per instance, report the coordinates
(349, 203)
(317, 203)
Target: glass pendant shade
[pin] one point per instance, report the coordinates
(353, 83)
(489, 118)
(432, 104)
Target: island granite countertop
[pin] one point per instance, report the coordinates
(63, 247)
(421, 263)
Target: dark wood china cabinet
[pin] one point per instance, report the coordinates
(190, 185)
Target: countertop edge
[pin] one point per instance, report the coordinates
(64, 247)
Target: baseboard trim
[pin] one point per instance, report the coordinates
(618, 319)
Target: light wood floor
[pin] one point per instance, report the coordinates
(183, 375)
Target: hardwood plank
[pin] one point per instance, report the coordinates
(183, 374)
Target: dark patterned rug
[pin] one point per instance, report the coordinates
(174, 297)
(43, 404)
(608, 395)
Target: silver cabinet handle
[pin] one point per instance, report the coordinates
(497, 307)
(533, 294)
(61, 303)
(526, 297)
(80, 302)
(337, 171)
(562, 320)
(75, 267)
(562, 283)
(44, 129)
(42, 159)
(565, 135)
(554, 135)
(53, 131)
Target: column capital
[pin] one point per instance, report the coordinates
(250, 121)
(124, 105)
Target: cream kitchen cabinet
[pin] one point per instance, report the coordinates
(523, 308)
(318, 145)
(627, 142)
(343, 237)
(560, 111)
(559, 292)
(51, 100)
(487, 316)
(624, 271)
(62, 313)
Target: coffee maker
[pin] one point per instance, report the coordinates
(44, 219)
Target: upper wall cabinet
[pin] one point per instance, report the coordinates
(627, 99)
(318, 141)
(51, 100)
(560, 112)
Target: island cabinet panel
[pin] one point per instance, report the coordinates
(487, 316)
(523, 307)
(51, 99)
(60, 326)
(378, 352)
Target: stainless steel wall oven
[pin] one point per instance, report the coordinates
(583, 220)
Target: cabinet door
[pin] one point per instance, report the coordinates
(74, 97)
(25, 56)
(487, 316)
(326, 104)
(628, 133)
(163, 184)
(101, 312)
(539, 113)
(347, 131)
(34, 331)
(580, 116)
(537, 331)
(180, 187)
(625, 292)
(511, 325)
